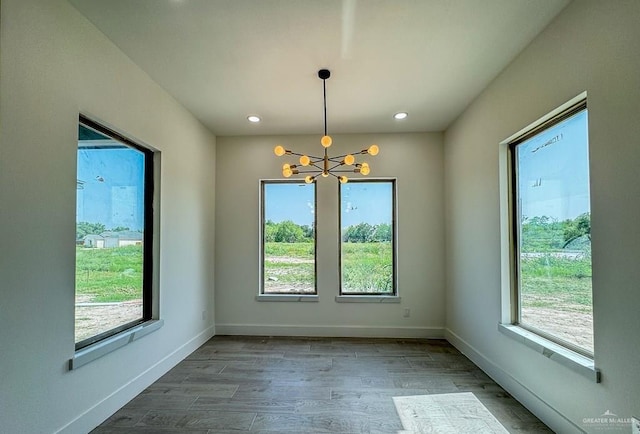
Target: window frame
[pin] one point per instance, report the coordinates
(286, 296)
(378, 296)
(568, 110)
(148, 246)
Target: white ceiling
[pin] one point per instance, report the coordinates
(227, 59)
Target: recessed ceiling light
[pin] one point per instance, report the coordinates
(253, 118)
(400, 115)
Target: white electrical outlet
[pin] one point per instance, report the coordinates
(406, 312)
(635, 425)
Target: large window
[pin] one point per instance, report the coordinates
(113, 234)
(288, 238)
(551, 229)
(367, 248)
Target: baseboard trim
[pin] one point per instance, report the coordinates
(329, 331)
(102, 410)
(557, 421)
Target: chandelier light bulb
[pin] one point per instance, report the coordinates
(365, 170)
(343, 179)
(286, 166)
(325, 174)
(326, 141)
(308, 179)
(349, 159)
(279, 150)
(304, 160)
(373, 150)
(286, 172)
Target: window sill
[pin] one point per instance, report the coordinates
(367, 299)
(572, 360)
(99, 349)
(285, 297)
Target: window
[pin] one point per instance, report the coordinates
(368, 233)
(288, 238)
(114, 225)
(551, 228)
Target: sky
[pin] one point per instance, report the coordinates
(111, 177)
(368, 202)
(553, 171)
(290, 201)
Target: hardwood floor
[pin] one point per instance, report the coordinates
(304, 385)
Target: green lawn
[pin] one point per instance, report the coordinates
(367, 267)
(289, 267)
(109, 275)
(559, 283)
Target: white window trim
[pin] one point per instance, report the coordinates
(112, 343)
(572, 360)
(266, 296)
(285, 297)
(565, 356)
(368, 299)
(373, 298)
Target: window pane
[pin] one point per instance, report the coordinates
(110, 223)
(555, 232)
(367, 231)
(288, 238)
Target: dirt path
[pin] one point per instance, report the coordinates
(575, 327)
(94, 318)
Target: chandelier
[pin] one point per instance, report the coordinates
(325, 166)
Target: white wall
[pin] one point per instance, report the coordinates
(592, 46)
(54, 65)
(416, 161)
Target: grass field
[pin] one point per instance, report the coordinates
(367, 267)
(558, 282)
(109, 275)
(289, 267)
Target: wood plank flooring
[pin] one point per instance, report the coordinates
(308, 385)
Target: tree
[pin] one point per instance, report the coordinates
(360, 233)
(288, 232)
(85, 228)
(381, 233)
(120, 229)
(270, 229)
(577, 228)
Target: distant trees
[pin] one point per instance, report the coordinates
(576, 228)
(287, 232)
(542, 233)
(367, 233)
(85, 228)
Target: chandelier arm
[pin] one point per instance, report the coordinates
(344, 155)
(339, 159)
(333, 167)
(295, 153)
